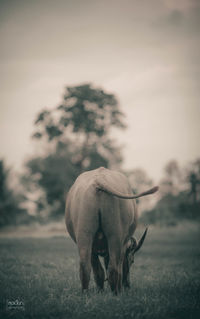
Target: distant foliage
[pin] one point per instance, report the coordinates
(173, 179)
(10, 211)
(193, 178)
(75, 137)
(180, 195)
(50, 178)
(140, 181)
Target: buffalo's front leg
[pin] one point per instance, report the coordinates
(99, 275)
(115, 266)
(126, 273)
(115, 277)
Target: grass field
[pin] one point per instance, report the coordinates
(43, 274)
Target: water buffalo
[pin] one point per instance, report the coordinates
(101, 217)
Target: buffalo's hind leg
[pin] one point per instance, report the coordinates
(85, 265)
(99, 275)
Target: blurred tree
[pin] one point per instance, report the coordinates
(140, 181)
(193, 177)
(172, 182)
(180, 195)
(77, 135)
(10, 211)
(47, 180)
(83, 121)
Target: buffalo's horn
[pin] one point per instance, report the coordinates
(140, 242)
(133, 243)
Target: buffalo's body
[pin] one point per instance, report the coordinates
(101, 224)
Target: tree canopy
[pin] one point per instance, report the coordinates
(83, 122)
(77, 138)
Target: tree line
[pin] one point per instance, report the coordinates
(74, 137)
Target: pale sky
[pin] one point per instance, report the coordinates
(145, 52)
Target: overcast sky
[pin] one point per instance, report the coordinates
(145, 52)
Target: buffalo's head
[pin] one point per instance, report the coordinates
(133, 247)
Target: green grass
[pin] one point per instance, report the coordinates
(43, 273)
